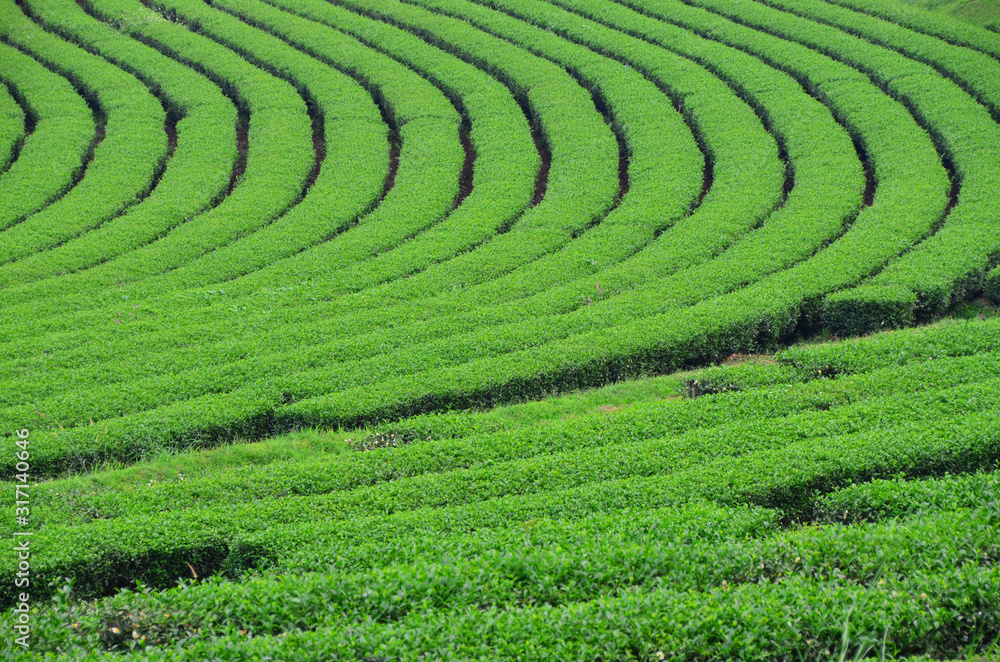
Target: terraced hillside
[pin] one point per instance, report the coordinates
(226, 220)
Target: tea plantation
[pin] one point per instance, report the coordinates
(354, 330)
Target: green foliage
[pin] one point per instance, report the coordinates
(365, 224)
(53, 155)
(869, 308)
(752, 373)
(569, 568)
(952, 338)
(983, 13)
(12, 128)
(992, 286)
(899, 497)
(125, 164)
(196, 174)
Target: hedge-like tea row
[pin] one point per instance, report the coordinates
(946, 340)
(868, 308)
(278, 159)
(197, 173)
(803, 618)
(673, 452)
(786, 475)
(954, 260)
(941, 26)
(952, 338)
(12, 128)
(504, 172)
(125, 163)
(55, 152)
(899, 497)
(568, 569)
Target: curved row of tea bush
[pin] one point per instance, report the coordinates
(254, 397)
(991, 285)
(898, 497)
(278, 159)
(53, 155)
(954, 260)
(727, 167)
(513, 534)
(776, 463)
(407, 96)
(126, 162)
(12, 128)
(132, 436)
(758, 420)
(198, 171)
